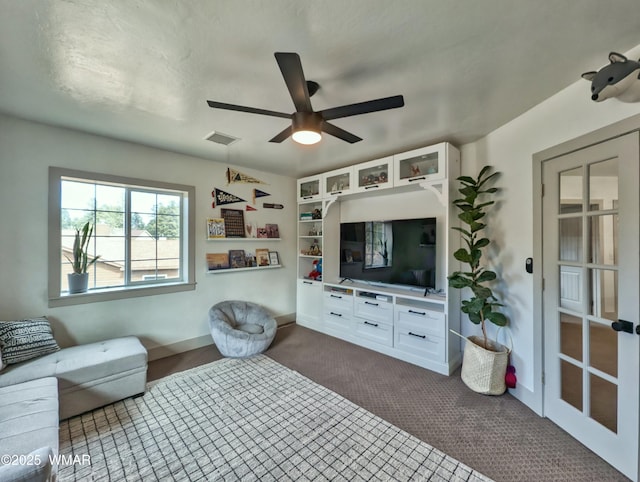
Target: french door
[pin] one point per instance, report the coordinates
(591, 298)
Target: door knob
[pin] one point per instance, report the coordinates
(622, 325)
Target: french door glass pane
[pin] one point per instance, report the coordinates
(571, 191)
(571, 336)
(571, 384)
(603, 348)
(604, 293)
(603, 184)
(604, 402)
(570, 239)
(603, 238)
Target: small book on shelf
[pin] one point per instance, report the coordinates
(215, 228)
(272, 231)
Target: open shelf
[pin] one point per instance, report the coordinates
(236, 270)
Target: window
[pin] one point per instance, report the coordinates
(142, 234)
(378, 240)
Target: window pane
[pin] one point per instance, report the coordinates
(109, 274)
(168, 204)
(571, 384)
(603, 239)
(77, 195)
(603, 348)
(143, 202)
(143, 248)
(110, 198)
(571, 336)
(570, 230)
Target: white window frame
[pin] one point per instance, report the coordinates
(187, 281)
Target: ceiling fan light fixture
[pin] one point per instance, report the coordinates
(307, 127)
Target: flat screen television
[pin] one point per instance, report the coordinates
(399, 252)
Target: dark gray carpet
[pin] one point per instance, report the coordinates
(498, 436)
(247, 420)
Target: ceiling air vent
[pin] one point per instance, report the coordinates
(220, 138)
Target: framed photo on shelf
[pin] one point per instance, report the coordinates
(272, 230)
(262, 233)
(250, 260)
(217, 261)
(233, 222)
(237, 258)
(215, 228)
(274, 260)
(262, 257)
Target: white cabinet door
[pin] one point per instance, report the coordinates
(309, 304)
(373, 175)
(419, 165)
(337, 183)
(310, 188)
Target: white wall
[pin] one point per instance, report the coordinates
(179, 319)
(565, 116)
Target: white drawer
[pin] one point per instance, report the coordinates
(339, 301)
(338, 320)
(413, 338)
(374, 309)
(432, 322)
(372, 330)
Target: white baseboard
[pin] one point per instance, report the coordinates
(164, 351)
(527, 397)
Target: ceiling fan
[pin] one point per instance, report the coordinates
(307, 124)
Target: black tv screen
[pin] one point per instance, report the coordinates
(397, 252)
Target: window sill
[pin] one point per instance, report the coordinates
(110, 294)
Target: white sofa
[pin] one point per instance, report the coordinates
(37, 393)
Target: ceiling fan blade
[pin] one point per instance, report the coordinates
(250, 110)
(340, 133)
(363, 107)
(291, 69)
(282, 135)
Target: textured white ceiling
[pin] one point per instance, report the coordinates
(142, 70)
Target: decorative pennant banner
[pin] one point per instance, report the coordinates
(272, 206)
(259, 193)
(223, 197)
(250, 208)
(234, 176)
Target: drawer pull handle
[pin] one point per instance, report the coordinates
(307, 197)
(417, 179)
(418, 312)
(336, 296)
(419, 336)
(335, 314)
(372, 324)
(333, 193)
(371, 187)
(307, 282)
(369, 303)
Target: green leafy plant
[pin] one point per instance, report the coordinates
(482, 306)
(81, 261)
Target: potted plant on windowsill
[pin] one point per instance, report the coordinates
(484, 362)
(79, 279)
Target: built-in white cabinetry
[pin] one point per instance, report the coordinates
(309, 304)
(310, 188)
(408, 324)
(424, 164)
(338, 182)
(374, 175)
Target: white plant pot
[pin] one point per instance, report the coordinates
(78, 282)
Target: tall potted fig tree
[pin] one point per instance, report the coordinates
(79, 278)
(484, 361)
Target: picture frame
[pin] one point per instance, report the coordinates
(262, 257)
(215, 228)
(272, 230)
(274, 259)
(237, 258)
(262, 233)
(217, 261)
(233, 222)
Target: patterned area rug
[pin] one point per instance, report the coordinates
(250, 419)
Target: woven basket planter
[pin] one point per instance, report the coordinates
(483, 370)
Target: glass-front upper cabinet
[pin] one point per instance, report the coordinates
(374, 175)
(424, 164)
(338, 182)
(309, 188)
